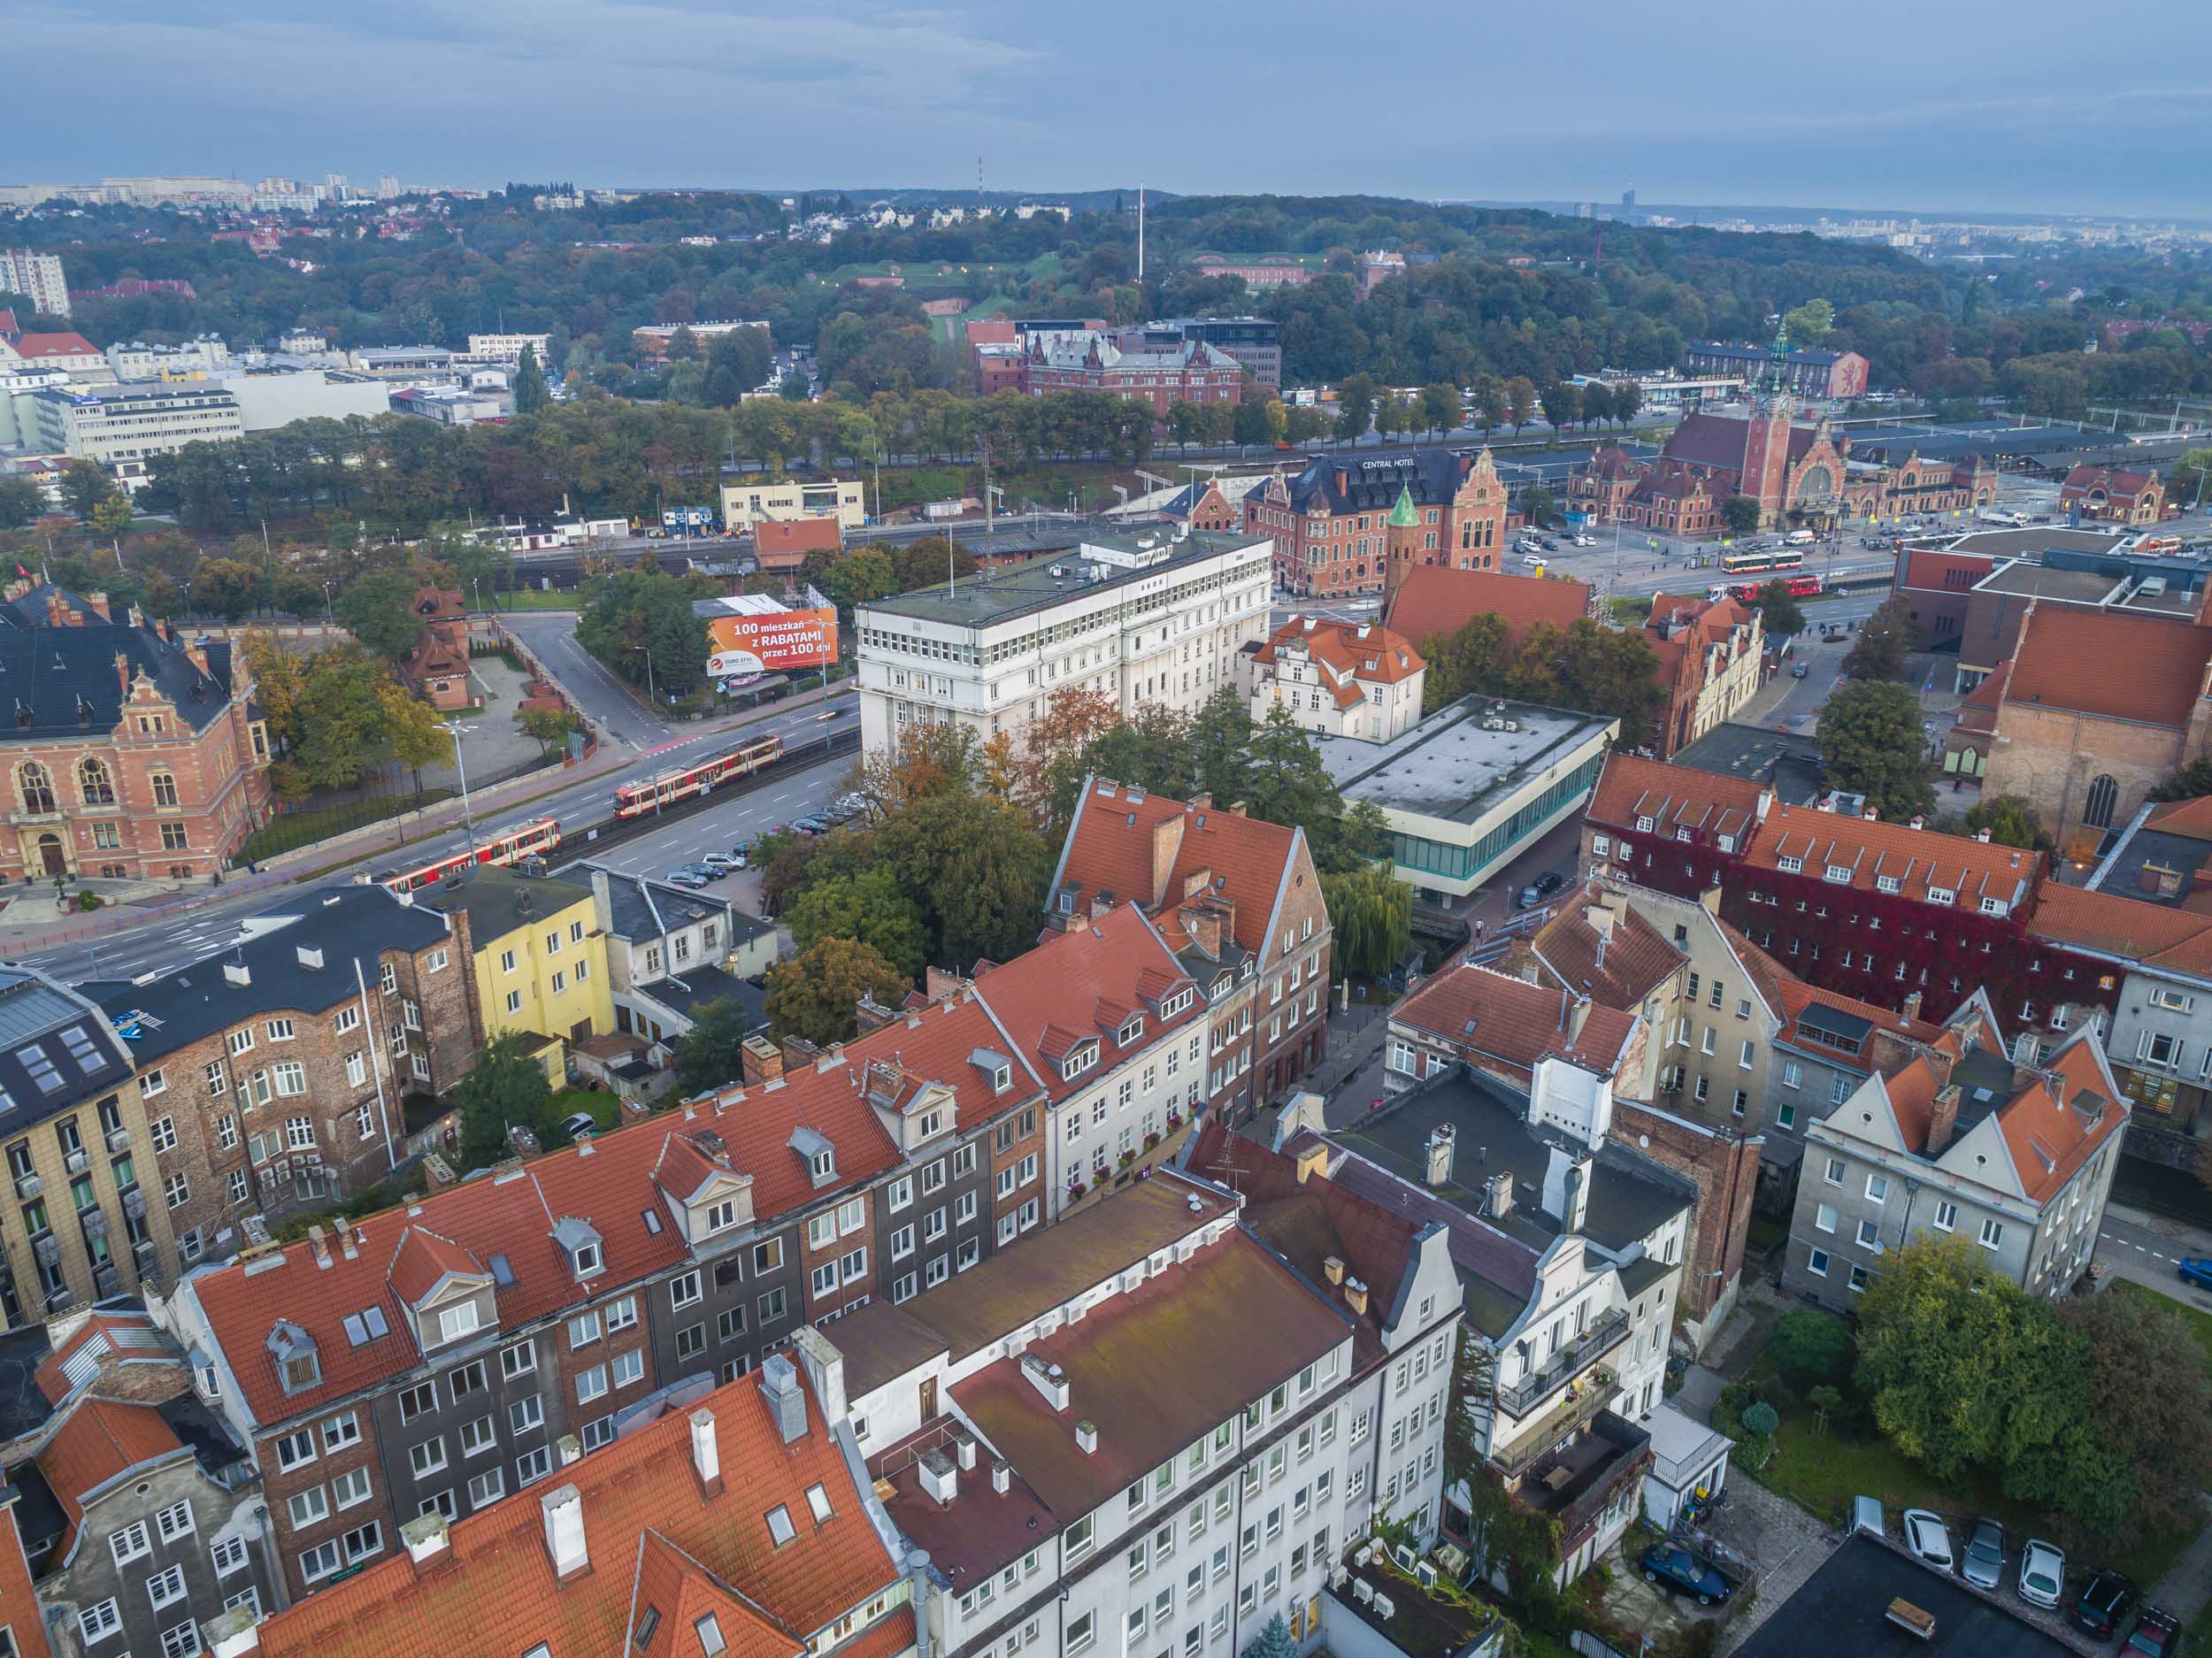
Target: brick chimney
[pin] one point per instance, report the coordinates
(1911, 1009)
(798, 1052)
(97, 603)
(1206, 927)
(1943, 1119)
(871, 1015)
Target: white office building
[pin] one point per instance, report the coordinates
(1149, 619)
(1090, 1474)
(129, 423)
(507, 348)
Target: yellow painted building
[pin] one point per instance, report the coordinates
(540, 957)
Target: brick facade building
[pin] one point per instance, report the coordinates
(1331, 523)
(1190, 372)
(1829, 376)
(437, 667)
(275, 1074)
(2113, 495)
(134, 752)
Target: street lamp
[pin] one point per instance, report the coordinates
(330, 612)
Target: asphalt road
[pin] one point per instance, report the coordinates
(717, 828)
(550, 636)
(163, 946)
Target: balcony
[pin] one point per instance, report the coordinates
(1591, 1394)
(1576, 1483)
(1563, 1366)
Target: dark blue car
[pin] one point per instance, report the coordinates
(1676, 1569)
(2196, 1269)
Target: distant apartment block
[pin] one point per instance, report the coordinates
(38, 277)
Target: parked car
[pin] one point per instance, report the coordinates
(1529, 899)
(2105, 1604)
(1676, 1569)
(685, 877)
(1585, 540)
(1984, 1564)
(721, 862)
(1548, 883)
(2042, 1573)
(2196, 1269)
(1797, 672)
(2157, 1634)
(811, 824)
(1927, 1536)
(1532, 558)
(577, 1125)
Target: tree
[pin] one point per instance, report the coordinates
(1355, 407)
(1871, 743)
(868, 906)
(1249, 426)
(413, 731)
(506, 1088)
(1779, 608)
(1739, 514)
(227, 586)
(1182, 422)
(1272, 1641)
(84, 486)
(379, 609)
(2190, 782)
(982, 870)
(1370, 920)
(1810, 1348)
(2187, 481)
(1289, 785)
(817, 994)
(1052, 761)
(859, 576)
(550, 726)
(710, 1055)
(794, 387)
(640, 624)
(2011, 821)
(1605, 670)
(1440, 406)
(531, 395)
(1520, 400)
(2152, 1403)
(1538, 504)
(1810, 323)
(112, 516)
(22, 502)
(1885, 641)
(1561, 402)
(1216, 749)
(1597, 404)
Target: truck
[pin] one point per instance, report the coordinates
(694, 519)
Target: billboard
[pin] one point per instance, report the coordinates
(742, 646)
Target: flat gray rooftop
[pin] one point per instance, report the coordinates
(2044, 581)
(1452, 765)
(998, 596)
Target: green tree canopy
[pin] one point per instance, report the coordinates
(867, 905)
(1810, 1347)
(22, 502)
(379, 609)
(1741, 514)
(709, 1054)
(1778, 610)
(1884, 642)
(817, 994)
(1871, 743)
(1370, 920)
(2010, 820)
(531, 395)
(638, 623)
(506, 1088)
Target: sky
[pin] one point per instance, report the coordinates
(2026, 106)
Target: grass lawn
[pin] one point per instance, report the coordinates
(604, 1109)
(1824, 1471)
(536, 599)
(2200, 1321)
(299, 828)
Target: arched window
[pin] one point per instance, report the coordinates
(2104, 794)
(97, 785)
(164, 790)
(36, 785)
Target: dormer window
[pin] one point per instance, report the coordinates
(579, 1241)
(1176, 1003)
(1001, 1078)
(1993, 905)
(821, 1156)
(931, 1122)
(723, 1215)
(1682, 834)
(1130, 1029)
(822, 1165)
(1790, 865)
(1839, 874)
(1079, 1060)
(299, 1366)
(1941, 895)
(457, 1322)
(1643, 826)
(1886, 883)
(1728, 843)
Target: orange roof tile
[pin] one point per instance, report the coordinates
(423, 1260)
(1636, 959)
(1797, 997)
(1511, 1020)
(2052, 1132)
(33, 347)
(1990, 692)
(2189, 818)
(101, 1438)
(1894, 858)
(2114, 664)
(1354, 653)
(1433, 599)
(497, 1575)
(1032, 997)
(1110, 850)
(2113, 925)
(1675, 797)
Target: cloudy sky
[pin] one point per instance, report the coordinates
(2017, 106)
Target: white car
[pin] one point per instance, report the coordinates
(1532, 558)
(2042, 1573)
(1927, 1537)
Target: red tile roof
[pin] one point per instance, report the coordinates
(650, 1527)
(1917, 861)
(1038, 998)
(1798, 998)
(101, 1438)
(1675, 797)
(2112, 480)
(1511, 1020)
(2111, 923)
(1110, 850)
(780, 543)
(31, 346)
(2192, 819)
(2114, 664)
(1434, 600)
(111, 1335)
(1990, 692)
(1354, 653)
(1636, 959)
(2054, 1127)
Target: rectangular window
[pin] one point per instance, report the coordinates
(428, 1457)
(129, 1543)
(1992, 1234)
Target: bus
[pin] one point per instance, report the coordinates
(529, 839)
(1753, 560)
(638, 799)
(1799, 588)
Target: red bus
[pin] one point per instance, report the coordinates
(1799, 586)
(541, 838)
(635, 800)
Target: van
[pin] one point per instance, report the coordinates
(1866, 1515)
(1799, 538)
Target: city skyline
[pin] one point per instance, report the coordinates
(2010, 119)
